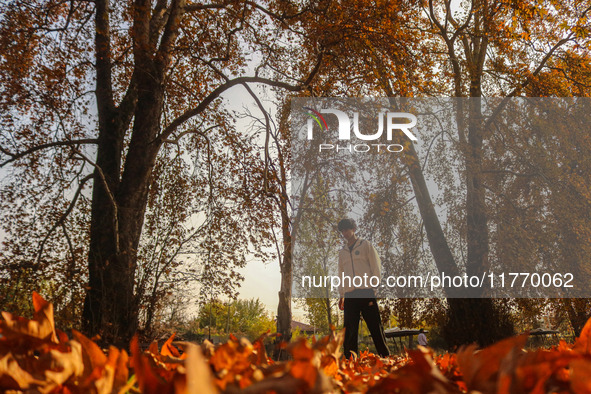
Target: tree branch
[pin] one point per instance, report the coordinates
(159, 18)
(171, 31)
(126, 108)
(16, 156)
(64, 215)
(527, 81)
(222, 88)
(267, 137)
(509, 172)
(141, 32)
(104, 87)
(191, 131)
(199, 7)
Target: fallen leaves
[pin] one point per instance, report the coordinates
(38, 358)
(35, 357)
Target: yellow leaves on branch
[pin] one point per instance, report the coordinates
(36, 357)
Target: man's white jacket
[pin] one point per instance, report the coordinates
(362, 260)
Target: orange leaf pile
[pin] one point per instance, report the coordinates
(36, 357)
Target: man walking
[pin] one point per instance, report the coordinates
(359, 259)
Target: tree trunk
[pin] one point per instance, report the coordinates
(577, 310)
(478, 320)
(327, 300)
(438, 245)
(284, 307)
(475, 320)
(103, 230)
(469, 320)
(477, 226)
(111, 306)
(119, 201)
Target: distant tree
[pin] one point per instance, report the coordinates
(239, 317)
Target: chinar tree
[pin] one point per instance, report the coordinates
(91, 93)
(467, 49)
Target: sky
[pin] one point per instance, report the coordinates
(261, 280)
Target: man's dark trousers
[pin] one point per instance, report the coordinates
(368, 307)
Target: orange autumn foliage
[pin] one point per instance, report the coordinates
(36, 357)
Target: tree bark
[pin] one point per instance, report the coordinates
(119, 202)
(284, 307)
(477, 225)
(104, 234)
(577, 310)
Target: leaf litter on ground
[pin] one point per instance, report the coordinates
(35, 357)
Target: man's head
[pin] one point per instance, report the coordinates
(347, 229)
(347, 224)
